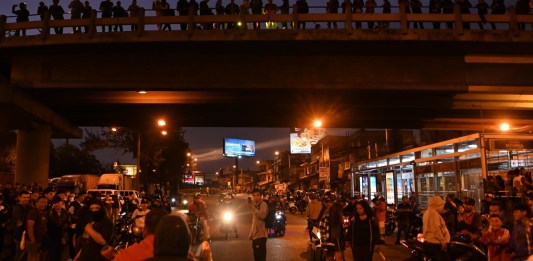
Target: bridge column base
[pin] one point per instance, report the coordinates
(33, 156)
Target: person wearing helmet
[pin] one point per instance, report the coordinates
(199, 208)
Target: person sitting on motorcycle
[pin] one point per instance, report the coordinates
(469, 222)
(199, 208)
(227, 205)
(139, 215)
(436, 235)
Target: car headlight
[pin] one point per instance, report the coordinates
(228, 216)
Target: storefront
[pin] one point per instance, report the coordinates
(456, 166)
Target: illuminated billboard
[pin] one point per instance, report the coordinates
(302, 138)
(238, 147)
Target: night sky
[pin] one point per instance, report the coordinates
(206, 145)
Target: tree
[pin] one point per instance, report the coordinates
(69, 159)
(164, 154)
(8, 151)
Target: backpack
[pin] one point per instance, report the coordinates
(269, 218)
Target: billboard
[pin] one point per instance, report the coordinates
(301, 139)
(237, 147)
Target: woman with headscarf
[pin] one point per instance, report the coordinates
(97, 234)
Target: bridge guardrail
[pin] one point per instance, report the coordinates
(148, 23)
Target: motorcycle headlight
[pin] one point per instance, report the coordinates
(278, 216)
(173, 200)
(185, 202)
(228, 216)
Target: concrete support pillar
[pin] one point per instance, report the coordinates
(33, 156)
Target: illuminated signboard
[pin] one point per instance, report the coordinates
(302, 138)
(389, 184)
(238, 147)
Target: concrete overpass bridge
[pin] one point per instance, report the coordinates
(372, 78)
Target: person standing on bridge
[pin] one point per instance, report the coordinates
(57, 11)
(106, 7)
(134, 10)
(86, 13)
(258, 234)
(23, 15)
(76, 6)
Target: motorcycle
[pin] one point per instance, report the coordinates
(196, 228)
(390, 223)
(298, 205)
(227, 224)
(416, 226)
(458, 249)
(279, 224)
(126, 233)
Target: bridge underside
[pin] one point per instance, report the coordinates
(370, 84)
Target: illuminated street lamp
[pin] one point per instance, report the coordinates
(317, 123)
(505, 126)
(160, 123)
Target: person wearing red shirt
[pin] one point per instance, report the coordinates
(144, 249)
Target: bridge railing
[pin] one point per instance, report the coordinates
(402, 20)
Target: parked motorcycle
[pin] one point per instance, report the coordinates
(415, 226)
(279, 224)
(126, 233)
(391, 220)
(297, 206)
(458, 249)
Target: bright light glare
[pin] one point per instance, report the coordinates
(317, 124)
(161, 122)
(113, 129)
(141, 92)
(164, 132)
(258, 162)
(239, 23)
(228, 216)
(276, 153)
(504, 126)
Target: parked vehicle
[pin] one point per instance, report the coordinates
(391, 220)
(297, 206)
(115, 181)
(460, 248)
(126, 233)
(78, 182)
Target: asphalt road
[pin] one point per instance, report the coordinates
(291, 247)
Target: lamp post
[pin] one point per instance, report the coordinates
(160, 123)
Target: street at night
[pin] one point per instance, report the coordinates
(291, 247)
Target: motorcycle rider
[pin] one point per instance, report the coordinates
(436, 235)
(469, 222)
(199, 208)
(139, 215)
(227, 205)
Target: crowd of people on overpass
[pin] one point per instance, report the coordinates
(108, 9)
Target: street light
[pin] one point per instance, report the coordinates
(505, 126)
(160, 123)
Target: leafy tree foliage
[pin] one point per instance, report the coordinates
(8, 147)
(162, 157)
(69, 159)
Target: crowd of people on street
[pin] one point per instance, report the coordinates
(108, 9)
(55, 224)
